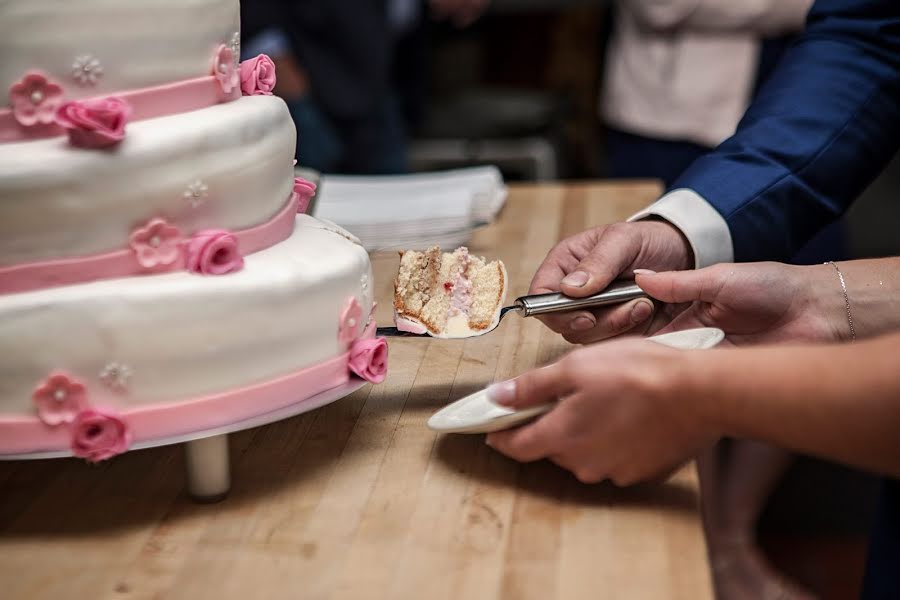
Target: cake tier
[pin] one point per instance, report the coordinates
(228, 166)
(152, 341)
(124, 44)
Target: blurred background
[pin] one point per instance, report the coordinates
(568, 89)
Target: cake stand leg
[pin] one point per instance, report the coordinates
(208, 474)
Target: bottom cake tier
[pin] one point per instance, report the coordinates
(161, 356)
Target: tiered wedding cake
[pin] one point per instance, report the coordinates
(156, 279)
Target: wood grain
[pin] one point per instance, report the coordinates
(359, 499)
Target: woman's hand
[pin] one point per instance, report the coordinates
(631, 410)
(754, 302)
(624, 412)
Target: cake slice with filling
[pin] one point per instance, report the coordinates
(448, 294)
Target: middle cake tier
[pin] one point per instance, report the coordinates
(180, 337)
(226, 167)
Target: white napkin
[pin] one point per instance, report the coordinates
(412, 211)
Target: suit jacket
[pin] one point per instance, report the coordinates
(820, 130)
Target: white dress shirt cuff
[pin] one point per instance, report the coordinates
(702, 225)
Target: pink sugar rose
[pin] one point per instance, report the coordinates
(305, 190)
(214, 252)
(59, 398)
(258, 76)
(368, 359)
(350, 321)
(34, 100)
(96, 123)
(224, 69)
(157, 244)
(98, 435)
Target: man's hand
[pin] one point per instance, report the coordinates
(293, 81)
(624, 413)
(753, 303)
(461, 12)
(587, 262)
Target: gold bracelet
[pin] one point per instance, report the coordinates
(846, 299)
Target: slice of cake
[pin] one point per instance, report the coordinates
(449, 294)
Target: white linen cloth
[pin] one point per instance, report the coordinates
(399, 212)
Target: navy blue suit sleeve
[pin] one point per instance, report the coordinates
(820, 130)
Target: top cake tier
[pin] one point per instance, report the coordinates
(102, 47)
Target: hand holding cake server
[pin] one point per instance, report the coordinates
(758, 196)
(818, 132)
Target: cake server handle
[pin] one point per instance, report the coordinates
(541, 304)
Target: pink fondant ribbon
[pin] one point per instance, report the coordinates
(23, 435)
(146, 103)
(122, 263)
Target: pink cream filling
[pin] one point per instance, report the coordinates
(410, 325)
(461, 300)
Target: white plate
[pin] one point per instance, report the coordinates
(477, 414)
(702, 338)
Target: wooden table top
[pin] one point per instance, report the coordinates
(359, 499)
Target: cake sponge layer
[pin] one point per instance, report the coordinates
(451, 294)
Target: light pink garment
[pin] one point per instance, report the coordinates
(684, 69)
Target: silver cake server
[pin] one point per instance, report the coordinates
(542, 304)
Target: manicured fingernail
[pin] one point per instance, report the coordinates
(502, 392)
(641, 312)
(576, 279)
(645, 272)
(581, 323)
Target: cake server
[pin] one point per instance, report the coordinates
(542, 304)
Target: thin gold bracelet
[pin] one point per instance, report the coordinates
(846, 299)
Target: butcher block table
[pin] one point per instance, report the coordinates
(359, 499)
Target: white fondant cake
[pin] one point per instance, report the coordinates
(56, 200)
(124, 44)
(184, 335)
(155, 277)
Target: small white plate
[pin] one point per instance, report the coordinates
(701, 338)
(477, 414)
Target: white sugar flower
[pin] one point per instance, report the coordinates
(87, 70)
(196, 193)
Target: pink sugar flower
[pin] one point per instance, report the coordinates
(258, 76)
(213, 252)
(98, 435)
(96, 123)
(224, 69)
(305, 190)
(59, 398)
(157, 244)
(350, 321)
(369, 358)
(34, 100)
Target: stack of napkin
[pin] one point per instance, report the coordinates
(412, 211)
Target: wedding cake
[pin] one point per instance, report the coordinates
(158, 275)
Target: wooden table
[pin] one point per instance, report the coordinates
(359, 499)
